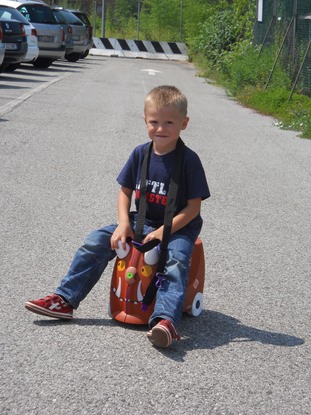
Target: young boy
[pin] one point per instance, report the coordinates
(165, 113)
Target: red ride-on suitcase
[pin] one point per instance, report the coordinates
(132, 274)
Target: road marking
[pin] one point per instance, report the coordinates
(151, 71)
(18, 101)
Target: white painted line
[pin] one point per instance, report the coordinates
(151, 71)
(18, 101)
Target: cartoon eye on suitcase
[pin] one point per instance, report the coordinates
(133, 271)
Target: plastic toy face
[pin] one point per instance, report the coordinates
(132, 274)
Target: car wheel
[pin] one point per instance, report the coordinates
(85, 54)
(42, 63)
(73, 57)
(2, 67)
(11, 68)
(197, 305)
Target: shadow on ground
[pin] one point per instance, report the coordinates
(208, 331)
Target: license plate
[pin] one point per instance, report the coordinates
(10, 46)
(46, 38)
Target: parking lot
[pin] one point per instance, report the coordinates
(65, 133)
(18, 86)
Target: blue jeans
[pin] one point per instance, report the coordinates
(93, 256)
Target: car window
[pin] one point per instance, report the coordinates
(59, 17)
(71, 18)
(10, 13)
(37, 13)
(83, 18)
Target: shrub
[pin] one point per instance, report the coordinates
(216, 36)
(245, 66)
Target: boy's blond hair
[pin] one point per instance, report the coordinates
(167, 96)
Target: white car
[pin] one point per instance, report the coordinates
(8, 12)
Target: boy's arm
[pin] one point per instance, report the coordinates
(180, 220)
(123, 229)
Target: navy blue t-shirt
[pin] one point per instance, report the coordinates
(192, 183)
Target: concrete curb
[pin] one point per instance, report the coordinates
(144, 49)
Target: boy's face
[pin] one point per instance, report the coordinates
(164, 126)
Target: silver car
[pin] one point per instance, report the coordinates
(89, 30)
(51, 36)
(79, 33)
(67, 29)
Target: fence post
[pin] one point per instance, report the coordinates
(279, 52)
(293, 37)
(299, 71)
(271, 24)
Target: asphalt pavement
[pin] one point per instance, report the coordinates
(65, 133)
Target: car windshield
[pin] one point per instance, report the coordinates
(71, 18)
(10, 13)
(83, 18)
(37, 13)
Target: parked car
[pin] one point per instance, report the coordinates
(89, 29)
(8, 12)
(79, 33)
(1, 47)
(67, 29)
(15, 42)
(51, 36)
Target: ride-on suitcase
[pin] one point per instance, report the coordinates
(132, 274)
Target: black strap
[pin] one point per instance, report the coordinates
(168, 218)
(170, 205)
(138, 235)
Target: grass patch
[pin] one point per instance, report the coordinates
(292, 115)
(244, 72)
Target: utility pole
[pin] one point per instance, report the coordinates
(103, 18)
(138, 19)
(181, 19)
(94, 22)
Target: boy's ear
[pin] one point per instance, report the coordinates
(185, 123)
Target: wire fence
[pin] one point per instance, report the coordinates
(286, 25)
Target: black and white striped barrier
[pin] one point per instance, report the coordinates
(139, 49)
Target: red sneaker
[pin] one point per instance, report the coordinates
(162, 334)
(51, 306)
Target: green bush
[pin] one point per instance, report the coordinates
(217, 35)
(245, 66)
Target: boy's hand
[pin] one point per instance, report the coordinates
(123, 230)
(121, 234)
(157, 234)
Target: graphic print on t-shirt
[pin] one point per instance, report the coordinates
(192, 181)
(156, 193)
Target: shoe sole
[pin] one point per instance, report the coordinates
(44, 312)
(160, 337)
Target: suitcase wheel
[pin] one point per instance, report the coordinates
(109, 310)
(197, 305)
